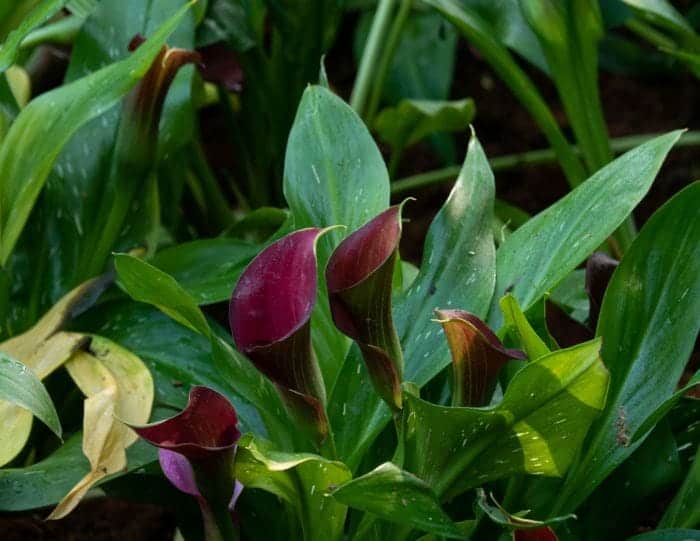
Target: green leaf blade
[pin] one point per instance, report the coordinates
(649, 322)
(20, 386)
(541, 253)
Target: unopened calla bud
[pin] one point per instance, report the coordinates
(359, 279)
(477, 357)
(270, 313)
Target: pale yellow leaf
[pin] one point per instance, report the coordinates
(119, 388)
(43, 349)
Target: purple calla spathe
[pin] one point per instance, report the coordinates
(359, 279)
(477, 356)
(197, 448)
(269, 314)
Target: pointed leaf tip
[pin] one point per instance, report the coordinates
(206, 427)
(276, 293)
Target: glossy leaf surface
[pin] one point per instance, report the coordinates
(536, 429)
(206, 268)
(19, 386)
(302, 480)
(649, 321)
(538, 255)
(63, 111)
(145, 283)
(399, 497)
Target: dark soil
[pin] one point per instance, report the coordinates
(100, 519)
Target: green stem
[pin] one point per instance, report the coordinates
(61, 32)
(215, 200)
(387, 56)
(365, 72)
(519, 83)
(534, 157)
(650, 34)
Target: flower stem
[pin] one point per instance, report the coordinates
(387, 55)
(365, 72)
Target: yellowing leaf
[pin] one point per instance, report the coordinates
(15, 421)
(42, 349)
(119, 388)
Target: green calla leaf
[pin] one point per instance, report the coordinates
(683, 511)
(399, 497)
(20, 386)
(672, 534)
(537, 428)
(517, 324)
(82, 180)
(649, 322)
(41, 13)
(302, 480)
(457, 271)
(413, 120)
(145, 283)
(663, 13)
(207, 269)
(333, 174)
(541, 253)
(62, 111)
(569, 33)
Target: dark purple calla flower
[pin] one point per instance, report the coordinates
(205, 428)
(359, 279)
(477, 356)
(270, 314)
(197, 448)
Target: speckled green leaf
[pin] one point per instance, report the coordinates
(399, 497)
(19, 385)
(541, 253)
(146, 283)
(206, 268)
(302, 480)
(649, 323)
(61, 111)
(537, 428)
